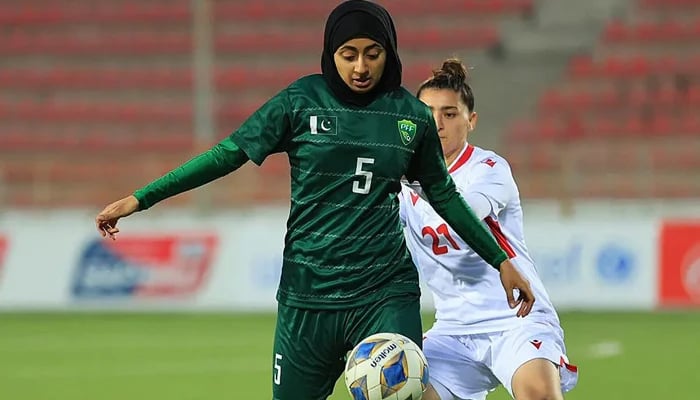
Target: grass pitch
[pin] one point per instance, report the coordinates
(228, 356)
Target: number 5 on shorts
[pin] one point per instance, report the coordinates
(277, 374)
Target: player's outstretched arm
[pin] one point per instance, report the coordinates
(106, 220)
(218, 161)
(260, 135)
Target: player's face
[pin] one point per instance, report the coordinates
(360, 62)
(452, 117)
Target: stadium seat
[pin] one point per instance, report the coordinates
(634, 67)
(416, 37)
(690, 123)
(52, 12)
(133, 43)
(92, 111)
(664, 4)
(675, 155)
(227, 78)
(139, 51)
(314, 10)
(646, 32)
(545, 158)
(96, 78)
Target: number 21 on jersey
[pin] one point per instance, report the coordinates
(442, 230)
(363, 184)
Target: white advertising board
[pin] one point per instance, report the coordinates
(596, 263)
(232, 261)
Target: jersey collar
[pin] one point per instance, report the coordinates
(462, 159)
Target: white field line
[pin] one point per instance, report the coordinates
(605, 349)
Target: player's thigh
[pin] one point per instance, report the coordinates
(454, 372)
(395, 314)
(308, 354)
(537, 379)
(533, 352)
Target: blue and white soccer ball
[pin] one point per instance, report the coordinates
(386, 366)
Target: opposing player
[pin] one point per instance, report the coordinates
(477, 342)
(350, 133)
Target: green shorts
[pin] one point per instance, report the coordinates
(311, 345)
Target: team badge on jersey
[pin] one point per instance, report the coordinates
(407, 130)
(490, 162)
(323, 124)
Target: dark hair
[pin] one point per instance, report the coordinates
(451, 75)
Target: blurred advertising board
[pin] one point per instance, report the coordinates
(232, 261)
(594, 264)
(159, 265)
(3, 251)
(679, 277)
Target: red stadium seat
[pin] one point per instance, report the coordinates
(549, 131)
(56, 12)
(676, 156)
(315, 10)
(663, 4)
(602, 126)
(662, 125)
(689, 125)
(91, 111)
(552, 100)
(416, 38)
(616, 31)
(96, 79)
(132, 48)
(21, 43)
(633, 67)
(543, 160)
(522, 131)
(646, 32)
(634, 126)
(692, 98)
(582, 67)
(235, 78)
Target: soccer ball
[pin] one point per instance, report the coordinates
(386, 366)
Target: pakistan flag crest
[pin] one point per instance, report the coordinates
(407, 130)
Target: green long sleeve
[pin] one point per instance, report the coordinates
(450, 205)
(222, 159)
(428, 168)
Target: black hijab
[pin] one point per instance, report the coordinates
(360, 19)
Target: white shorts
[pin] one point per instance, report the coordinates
(468, 367)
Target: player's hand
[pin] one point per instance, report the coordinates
(106, 220)
(512, 279)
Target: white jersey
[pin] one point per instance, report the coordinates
(468, 294)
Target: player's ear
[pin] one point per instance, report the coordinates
(471, 121)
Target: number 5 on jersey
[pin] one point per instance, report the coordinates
(363, 184)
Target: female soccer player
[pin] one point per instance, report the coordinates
(350, 133)
(477, 341)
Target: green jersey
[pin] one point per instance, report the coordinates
(344, 245)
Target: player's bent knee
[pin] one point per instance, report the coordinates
(537, 380)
